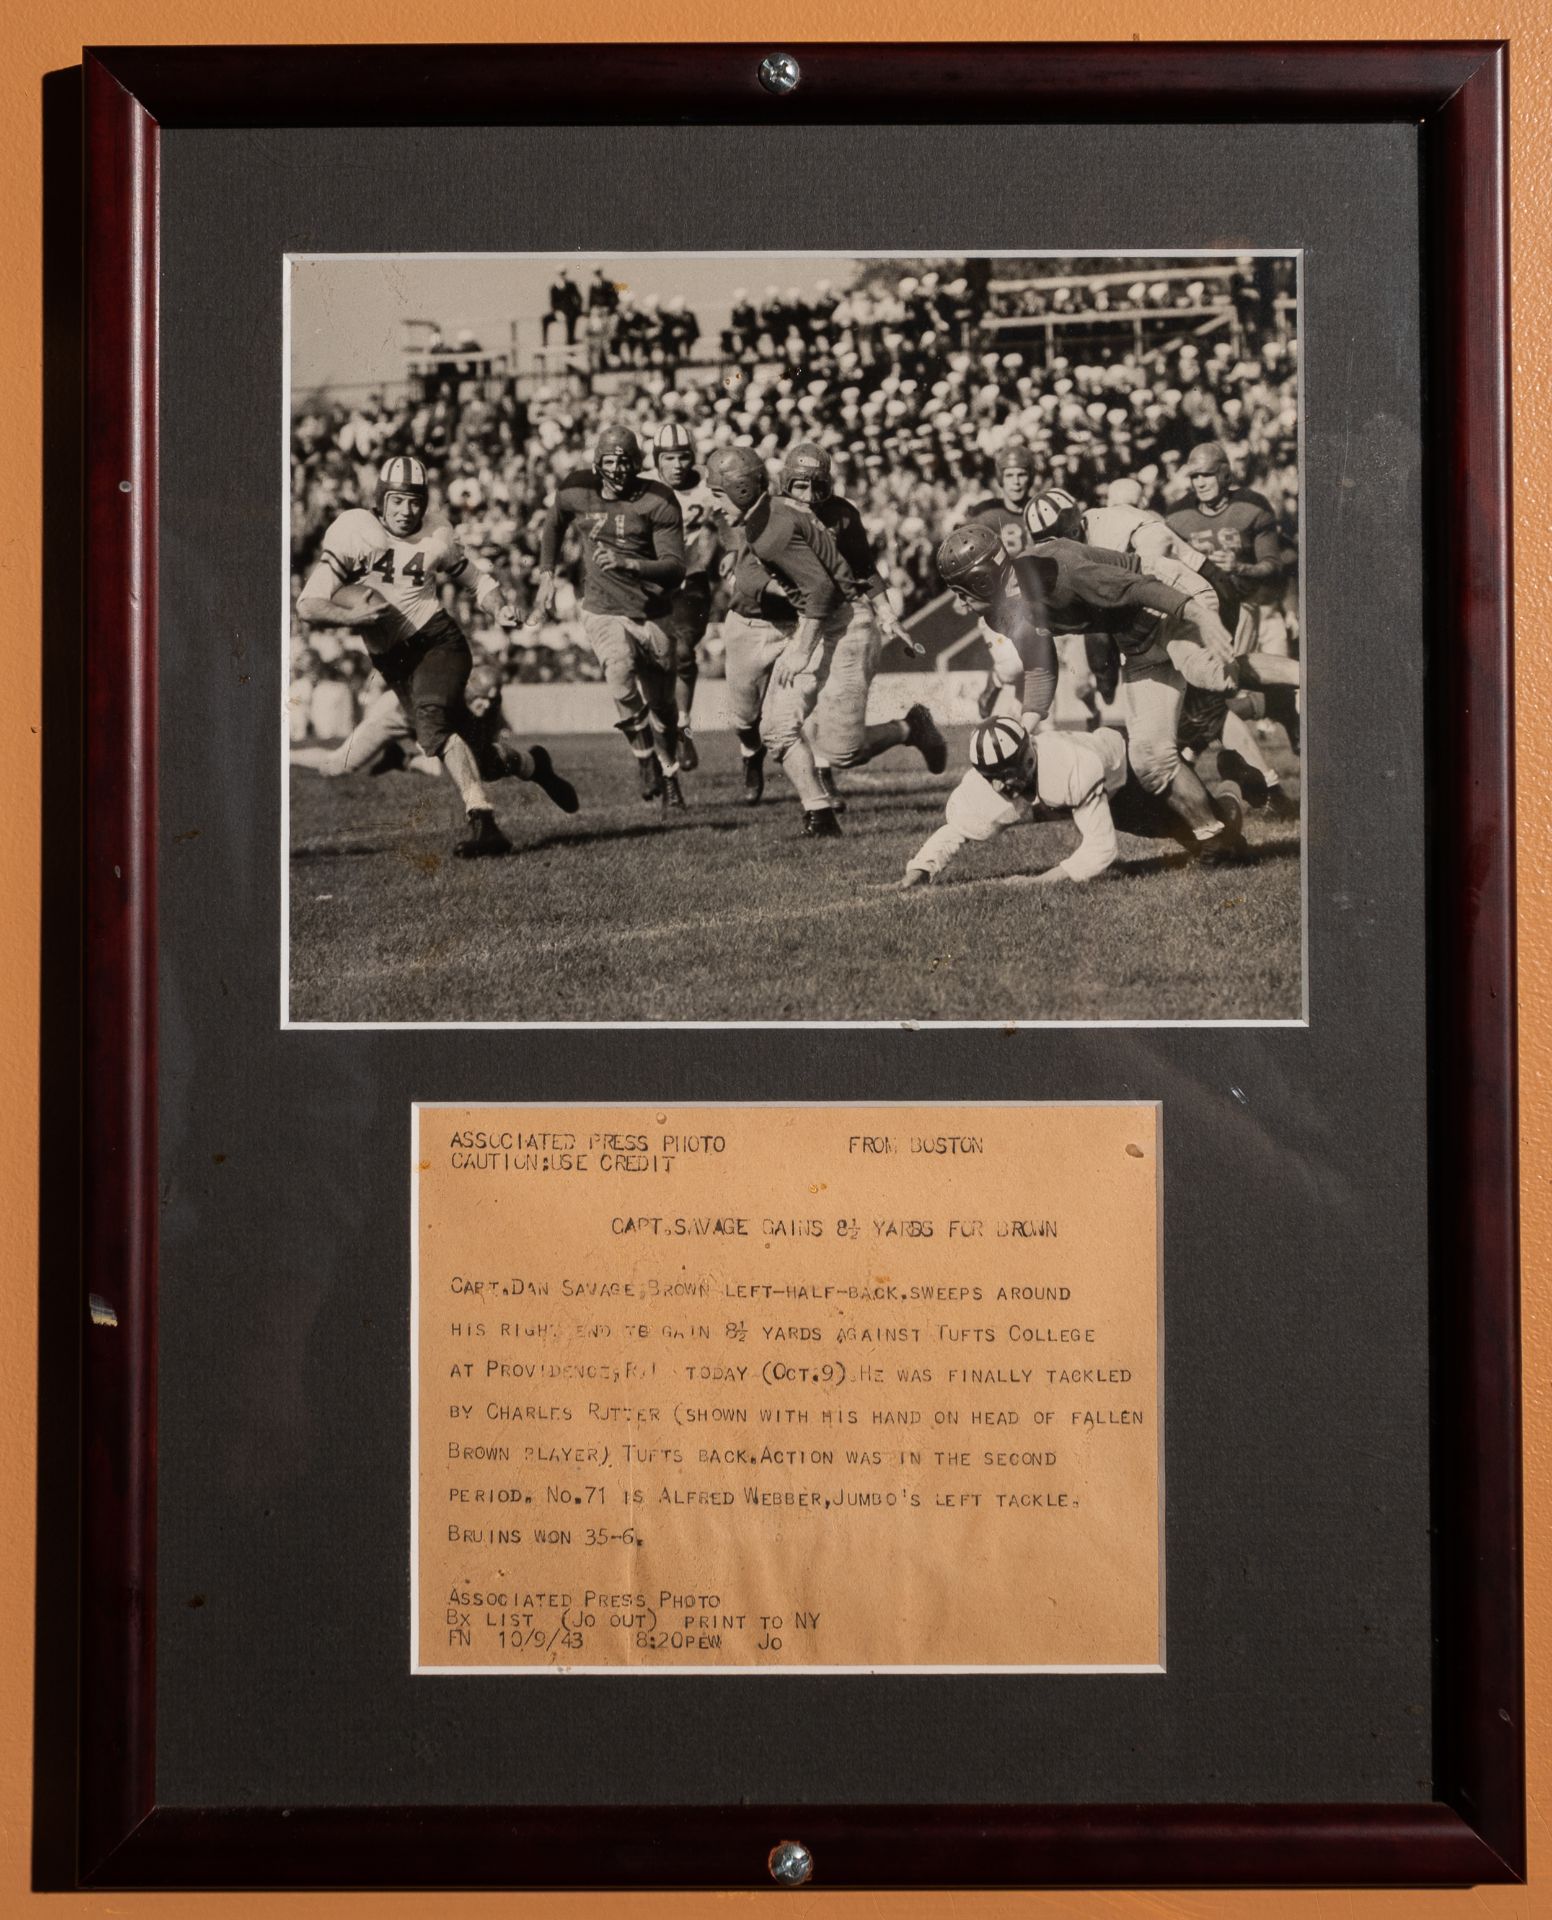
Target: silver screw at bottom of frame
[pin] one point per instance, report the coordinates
(791, 1864)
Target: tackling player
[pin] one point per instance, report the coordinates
(838, 734)
(1211, 716)
(1164, 638)
(383, 741)
(673, 453)
(632, 535)
(1014, 778)
(790, 591)
(376, 574)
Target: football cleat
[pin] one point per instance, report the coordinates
(673, 795)
(922, 733)
(548, 781)
(651, 775)
(1281, 804)
(1250, 780)
(832, 789)
(754, 777)
(689, 759)
(820, 823)
(1229, 845)
(485, 838)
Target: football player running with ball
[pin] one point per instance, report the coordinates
(790, 603)
(1164, 637)
(632, 535)
(689, 610)
(1016, 778)
(838, 733)
(377, 575)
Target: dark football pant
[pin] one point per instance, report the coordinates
(688, 615)
(429, 672)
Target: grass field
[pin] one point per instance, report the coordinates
(727, 913)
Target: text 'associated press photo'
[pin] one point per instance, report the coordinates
(765, 639)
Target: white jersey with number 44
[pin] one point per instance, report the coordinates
(358, 547)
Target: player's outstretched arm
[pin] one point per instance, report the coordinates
(974, 812)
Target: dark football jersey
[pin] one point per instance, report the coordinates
(1091, 590)
(846, 528)
(787, 564)
(1018, 615)
(645, 524)
(1242, 537)
(1009, 522)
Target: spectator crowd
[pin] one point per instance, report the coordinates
(906, 382)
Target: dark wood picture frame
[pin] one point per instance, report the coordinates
(1474, 1828)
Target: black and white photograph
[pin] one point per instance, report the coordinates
(766, 639)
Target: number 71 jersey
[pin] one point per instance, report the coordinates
(358, 547)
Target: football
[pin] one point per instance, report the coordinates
(357, 595)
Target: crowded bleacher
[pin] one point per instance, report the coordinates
(914, 380)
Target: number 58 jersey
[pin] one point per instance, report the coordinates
(358, 547)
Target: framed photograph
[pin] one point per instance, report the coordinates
(797, 1162)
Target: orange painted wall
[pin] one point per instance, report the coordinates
(40, 38)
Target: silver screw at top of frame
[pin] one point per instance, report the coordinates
(779, 73)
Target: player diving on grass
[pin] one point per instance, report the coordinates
(632, 537)
(689, 608)
(838, 732)
(1015, 777)
(377, 575)
(1166, 640)
(791, 596)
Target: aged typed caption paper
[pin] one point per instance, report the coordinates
(786, 1387)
